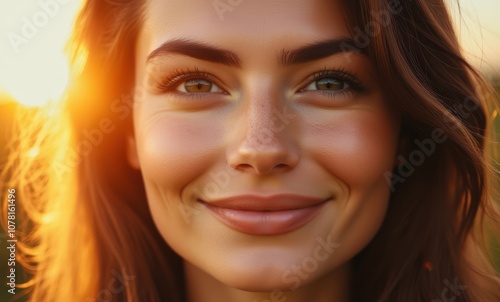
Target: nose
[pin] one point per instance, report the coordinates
(266, 141)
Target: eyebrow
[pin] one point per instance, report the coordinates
(318, 50)
(311, 52)
(196, 50)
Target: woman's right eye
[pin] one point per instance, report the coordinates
(186, 82)
(198, 85)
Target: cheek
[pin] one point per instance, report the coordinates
(355, 147)
(175, 150)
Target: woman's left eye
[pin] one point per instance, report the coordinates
(331, 84)
(198, 85)
(334, 83)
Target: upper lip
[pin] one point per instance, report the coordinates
(277, 202)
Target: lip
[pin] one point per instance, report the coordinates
(265, 215)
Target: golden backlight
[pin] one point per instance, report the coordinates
(33, 65)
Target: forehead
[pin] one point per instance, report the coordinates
(245, 24)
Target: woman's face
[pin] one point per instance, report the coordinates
(262, 141)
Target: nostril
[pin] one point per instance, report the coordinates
(244, 167)
(262, 170)
(276, 157)
(281, 166)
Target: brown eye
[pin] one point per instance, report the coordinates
(329, 84)
(198, 86)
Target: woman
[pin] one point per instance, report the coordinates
(262, 151)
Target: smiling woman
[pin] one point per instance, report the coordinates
(290, 151)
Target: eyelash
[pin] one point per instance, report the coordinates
(170, 82)
(173, 80)
(341, 74)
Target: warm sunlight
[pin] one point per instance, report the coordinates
(34, 67)
(478, 28)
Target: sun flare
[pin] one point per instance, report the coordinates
(34, 67)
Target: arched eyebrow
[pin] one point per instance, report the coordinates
(314, 51)
(318, 50)
(196, 50)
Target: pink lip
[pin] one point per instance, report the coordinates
(266, 215)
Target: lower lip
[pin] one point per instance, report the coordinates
(265, 222)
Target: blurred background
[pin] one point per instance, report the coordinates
(34, 68)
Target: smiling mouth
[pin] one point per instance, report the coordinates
(266, 215)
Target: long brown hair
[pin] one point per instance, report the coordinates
(428, 240)
(88, 223)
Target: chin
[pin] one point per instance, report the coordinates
(258, 282)
(266, 277)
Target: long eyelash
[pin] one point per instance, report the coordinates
(172, 80)
(342, 75)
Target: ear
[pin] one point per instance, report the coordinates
(132, 156)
